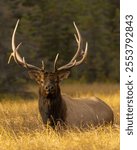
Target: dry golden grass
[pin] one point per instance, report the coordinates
(21, 127)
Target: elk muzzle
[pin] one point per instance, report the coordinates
(49, 88)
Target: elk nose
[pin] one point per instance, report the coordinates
(49, 88)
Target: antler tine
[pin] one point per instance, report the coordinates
(13, 43)
(84, 55)
(43, 65)
(13, 35)
(16, 55)
(78, 40)
(55, 62)
(73, 61)
(13, 54)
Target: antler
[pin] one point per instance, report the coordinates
(73, 62)
(18, 59)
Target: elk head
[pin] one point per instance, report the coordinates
(49, 81)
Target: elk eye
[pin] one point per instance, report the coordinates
(42, 82)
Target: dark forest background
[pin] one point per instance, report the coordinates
(46, 28)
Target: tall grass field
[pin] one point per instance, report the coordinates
(21, 126)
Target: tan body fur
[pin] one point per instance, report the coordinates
(83, 112)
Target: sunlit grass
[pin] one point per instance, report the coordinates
(21, 127)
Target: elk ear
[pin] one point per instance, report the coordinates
(63, 74)
(35, 75)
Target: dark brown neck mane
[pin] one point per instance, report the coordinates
(52, 107)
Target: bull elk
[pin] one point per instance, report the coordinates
(57, 108)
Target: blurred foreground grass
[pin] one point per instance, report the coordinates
(21, 127)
